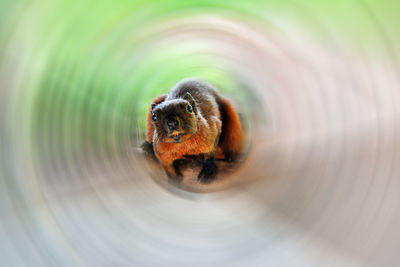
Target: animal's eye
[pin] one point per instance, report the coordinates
(189, 108)
(154, 117)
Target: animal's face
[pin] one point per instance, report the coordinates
(175, 120)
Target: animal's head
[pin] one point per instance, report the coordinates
(175, 120)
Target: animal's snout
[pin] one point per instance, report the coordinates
(172, 124)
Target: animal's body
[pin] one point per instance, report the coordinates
(193, 120)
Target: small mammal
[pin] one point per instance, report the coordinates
(193, 119)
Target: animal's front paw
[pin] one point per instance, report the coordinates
(208, 172)
(147, 149)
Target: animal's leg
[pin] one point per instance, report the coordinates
(208, 171)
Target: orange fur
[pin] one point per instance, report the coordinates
(202, 143)
(231, 139)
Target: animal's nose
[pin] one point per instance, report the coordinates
(172, 125)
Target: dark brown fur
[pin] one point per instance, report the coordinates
(193, 120)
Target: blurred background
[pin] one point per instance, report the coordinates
(317, 85)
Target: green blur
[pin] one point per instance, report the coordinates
(89, 70)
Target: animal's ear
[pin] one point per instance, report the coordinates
(188, 97)
(157, 101)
